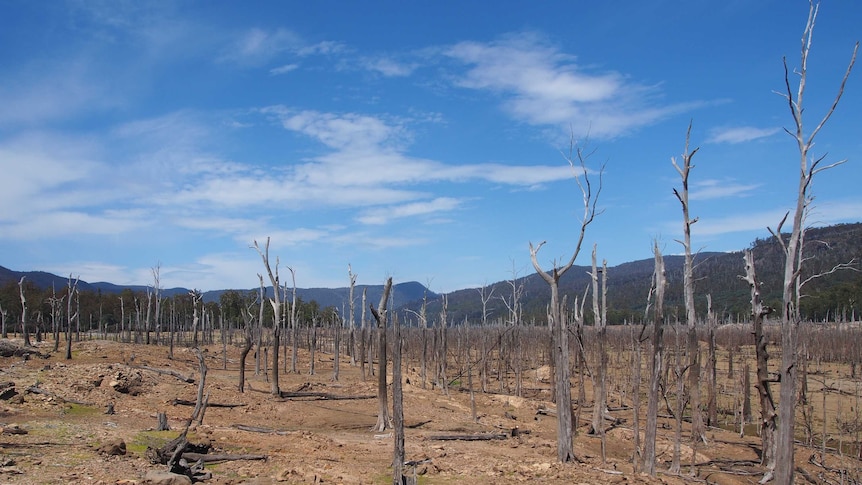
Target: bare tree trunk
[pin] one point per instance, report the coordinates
(397, 405)
(556, 322)
(656, 359)
(73, 288)
(600, 390)
(711, 407)
(793, 247)
(294, 326)
(276, 312)
(381, 316)
(697, 429)
(768, 415)
(24, 330)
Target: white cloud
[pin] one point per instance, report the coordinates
(382, 215)
(389, 67)
(718, 189)
(542, 86)
(739, 134)
(257, 46)
(283, 69)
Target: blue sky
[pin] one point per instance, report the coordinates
(418, 140)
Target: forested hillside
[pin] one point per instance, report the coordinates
(716, 274)
(628, 285)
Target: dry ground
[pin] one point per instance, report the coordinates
(318, 441)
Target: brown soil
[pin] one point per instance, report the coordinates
(318, 441)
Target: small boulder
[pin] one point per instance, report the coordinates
(158, 477)
(113, 448)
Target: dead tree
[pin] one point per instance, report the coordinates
(792, 246)
(275, 301)
(24, 330)
(442, 348)
(3, 332)
(600, 407)
(556, 323)
(381, 316)
(768, 416)
(157, 294)
(697, 429)
(656, 360)
(73, 290)
(397, 405)
(351, 319)
(248, 332)
(711, 397)
(294, 324)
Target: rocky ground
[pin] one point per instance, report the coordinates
(55, 428)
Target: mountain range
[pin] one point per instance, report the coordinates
(717, 274)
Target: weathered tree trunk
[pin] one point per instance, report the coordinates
(380, 316)
(768, 415)
(711, 407)
(656, 360)
(600, 391)
(24, 331)
(397, 405)
(73, 289)
(276, 312)
(793, 247)
(697, 429)
(556, 323)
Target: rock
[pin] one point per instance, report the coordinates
(157, 477)
(127, 382)
(113, 448)
(12, 429)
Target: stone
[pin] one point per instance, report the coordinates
(158, 477)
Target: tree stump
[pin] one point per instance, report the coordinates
(163, 422)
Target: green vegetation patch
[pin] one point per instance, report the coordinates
(153, 439)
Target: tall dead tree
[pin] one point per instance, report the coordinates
(697, 428)
(556, 322)
(275, 301)
(600, 411)
(24, 331)
(294, 324)
(3, 332)
(351, 319)
(792, 246)
(768, 416)
(381, 316)
(397, 405)
(70, 317)
(157, 294)
(712, 405)
(656, 361)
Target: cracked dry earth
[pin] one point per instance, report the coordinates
(54, 435)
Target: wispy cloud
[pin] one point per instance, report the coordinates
(718, 189)
(384, 215)
(256, 47)
(739, 134)
(388, 67)
(542, 86)
(283, 69)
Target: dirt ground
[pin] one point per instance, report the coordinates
(311, 440)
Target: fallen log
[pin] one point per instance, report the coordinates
(167, 372)
(257, 429)
(323, 396)
(183, 402)
(206, 458)
(39, 390)
(469, 437)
